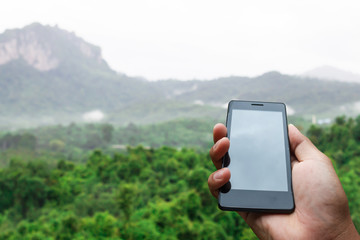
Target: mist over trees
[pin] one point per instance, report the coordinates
(34, 93)
(62, 189)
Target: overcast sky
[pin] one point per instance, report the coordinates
(205, 39)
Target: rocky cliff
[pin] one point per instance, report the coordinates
(42, 47)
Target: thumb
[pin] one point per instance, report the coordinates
(302, 147)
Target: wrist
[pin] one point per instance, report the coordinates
(349, 233)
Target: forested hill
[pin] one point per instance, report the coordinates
(48, 71)
(137, 194)
(49, 75)
(303, 95)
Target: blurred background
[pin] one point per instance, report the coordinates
(107, 109)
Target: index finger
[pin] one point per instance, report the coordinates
(219, 132)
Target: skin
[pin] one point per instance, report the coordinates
(321, 211)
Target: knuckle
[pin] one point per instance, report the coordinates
(210, 179)
(211, 151)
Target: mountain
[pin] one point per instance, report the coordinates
(49, 73)
(48, 48)
(332, 73)
(50, 76)
(303, 95)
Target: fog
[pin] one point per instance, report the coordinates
(205, 39)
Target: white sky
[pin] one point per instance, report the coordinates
(205, 39)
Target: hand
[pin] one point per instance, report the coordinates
(321, 206)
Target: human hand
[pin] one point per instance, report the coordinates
(321, 207)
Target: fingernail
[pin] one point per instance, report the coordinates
(219, 174)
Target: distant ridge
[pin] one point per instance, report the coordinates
(50, 76)
(332, 73)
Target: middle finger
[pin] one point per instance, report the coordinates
(218, 151)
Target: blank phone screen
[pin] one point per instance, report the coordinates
(257, 151)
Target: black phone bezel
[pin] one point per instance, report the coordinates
(252, 200)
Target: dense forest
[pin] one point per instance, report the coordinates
(74, 141)
(86, 182)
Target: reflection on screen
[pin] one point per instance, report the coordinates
(257, 151)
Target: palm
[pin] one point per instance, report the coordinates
(312, 210)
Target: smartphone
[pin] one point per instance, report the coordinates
(258, 159)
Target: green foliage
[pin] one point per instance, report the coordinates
(141, 194)
(62, 191)
(18, 141)
(72, 142)
(341, 143)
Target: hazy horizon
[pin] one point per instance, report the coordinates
(204, 39)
